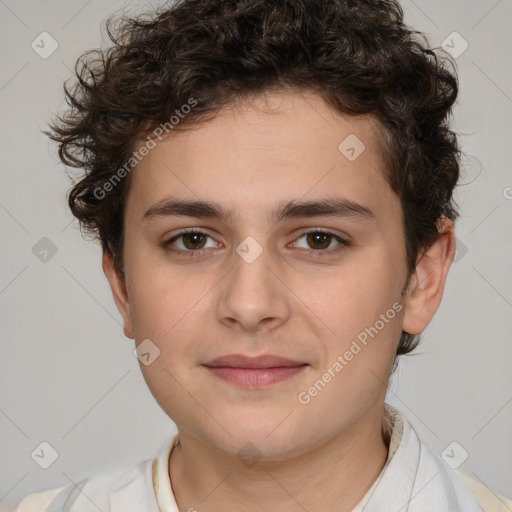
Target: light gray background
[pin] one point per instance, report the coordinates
(67, 373)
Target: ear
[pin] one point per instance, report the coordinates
(427, 282)
(119, 293)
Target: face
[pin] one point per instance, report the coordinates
(299, 255)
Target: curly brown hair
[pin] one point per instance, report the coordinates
(358, 55)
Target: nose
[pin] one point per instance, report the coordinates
(252, 296)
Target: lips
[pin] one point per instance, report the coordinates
(254, 372)
(260, 362)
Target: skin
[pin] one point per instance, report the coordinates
(299, 299)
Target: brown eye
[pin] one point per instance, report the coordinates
(190, 242)
(319, 240)
(194, 240)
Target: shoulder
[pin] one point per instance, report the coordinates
(435, 481)
(121, 489)
(459, 484)
(489, 500)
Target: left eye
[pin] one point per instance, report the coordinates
(321, 240)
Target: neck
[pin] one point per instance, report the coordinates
(334, 476)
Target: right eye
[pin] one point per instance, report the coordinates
(189, 241)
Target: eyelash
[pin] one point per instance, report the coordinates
(343, 244)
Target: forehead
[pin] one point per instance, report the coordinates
(263, 148)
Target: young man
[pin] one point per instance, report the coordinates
(271, 183)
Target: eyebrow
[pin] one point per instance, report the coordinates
(330, 207)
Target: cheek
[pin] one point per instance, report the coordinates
(163, 297)
(360, 356)
(355, 295)
(169, 311)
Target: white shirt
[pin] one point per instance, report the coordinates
(414, 479)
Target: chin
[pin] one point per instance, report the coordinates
(266, 437)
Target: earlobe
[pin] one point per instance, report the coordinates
(119, 292)
(428, 280)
